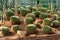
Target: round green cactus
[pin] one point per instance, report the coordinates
(37, 13)
(47, 21)
(29, 20)
(5, 30)
(9, 13)
(43, 15)
(15, 28)
(31, 15)
(38, 25)
(31, 29)
(47, 29)
(55, 23)
(14, 20)
(23, 12)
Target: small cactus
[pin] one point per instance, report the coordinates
(5, 30)
(37, 13)
(31, 15)
(15, 28)
(43, 15)
(9, 13)
(55, 23)
(29, 20)
(31, 29)
(38, 25)
(14, 20)
(47, 29)
(47, 21)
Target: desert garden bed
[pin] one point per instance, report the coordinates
(30, 24)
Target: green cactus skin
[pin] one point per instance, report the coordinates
(55, 23)
(23, 12)
(47, 21)
(9, 14)
(43, 15)
(31, 15)
(38, 25)
(31, 29)
(15, 28)
(37, 13)
(5, 31)
(14, 20)
(47, 29)
(58, 19)
(29, 20)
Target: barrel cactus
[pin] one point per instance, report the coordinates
(37, 13)
(15, 28)
(31, 15)
(28, 20)
(38, 25)
(14, 20)
(55, 23)
(47, 29)
(47, 21)
(23, 11)
(9, 13)
(31, 29)
(5, 30)
(43, 15)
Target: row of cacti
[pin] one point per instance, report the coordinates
(31, 15)
(6, 31)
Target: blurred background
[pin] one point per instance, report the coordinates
(10, 3)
